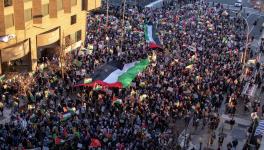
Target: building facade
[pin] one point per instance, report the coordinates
(33, 29)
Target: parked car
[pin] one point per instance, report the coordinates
(257, 5)
(238, 3)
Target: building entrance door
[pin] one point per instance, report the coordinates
(47, 53)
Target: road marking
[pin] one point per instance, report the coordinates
(251, 29)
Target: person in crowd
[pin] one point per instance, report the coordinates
(197, 69)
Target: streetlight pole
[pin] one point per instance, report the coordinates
(107, 13)
(253, 131)
(107, 20)
(123, 23)
(247, 40)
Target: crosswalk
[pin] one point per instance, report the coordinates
(183, 140)
(249, 89)
(260, 128)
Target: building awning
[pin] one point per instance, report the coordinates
(73, 47)
(15, 51)
(48, 38)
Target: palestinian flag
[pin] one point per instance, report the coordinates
(98, 87)
(116, 101)
(151, 36)
(67, 115)
(115, 75)
(87, 80)
(58, 140)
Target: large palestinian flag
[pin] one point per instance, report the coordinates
(112, 75)
(151, 36)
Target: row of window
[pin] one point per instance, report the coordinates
(9, 21)
(59, 3)
(75, 37)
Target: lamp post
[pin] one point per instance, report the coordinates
(123, 23)
(107, 20)
(247, 40)
(107, 13)
(200, 143)
(255, 121)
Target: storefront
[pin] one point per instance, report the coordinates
(48, 44)
(16, 57)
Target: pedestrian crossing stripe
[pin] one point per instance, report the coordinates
(260, 128)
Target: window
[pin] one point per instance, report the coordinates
(73, 2)
(28, 15)
(84, 4)
(78, 35)
(9, 21)
(7, 3)
(59, 5)
(67, 40)
(45, 10)
(73, 19)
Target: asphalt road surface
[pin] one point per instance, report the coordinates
(245, 3)
(130, 2)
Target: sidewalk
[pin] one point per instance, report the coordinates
(238, 132)
(242, 119)
(256, 43)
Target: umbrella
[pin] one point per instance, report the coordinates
(95, 143)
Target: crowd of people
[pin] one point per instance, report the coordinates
(197, 69)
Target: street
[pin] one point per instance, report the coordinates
(200, 138)
(245, 3)
(151, 81)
